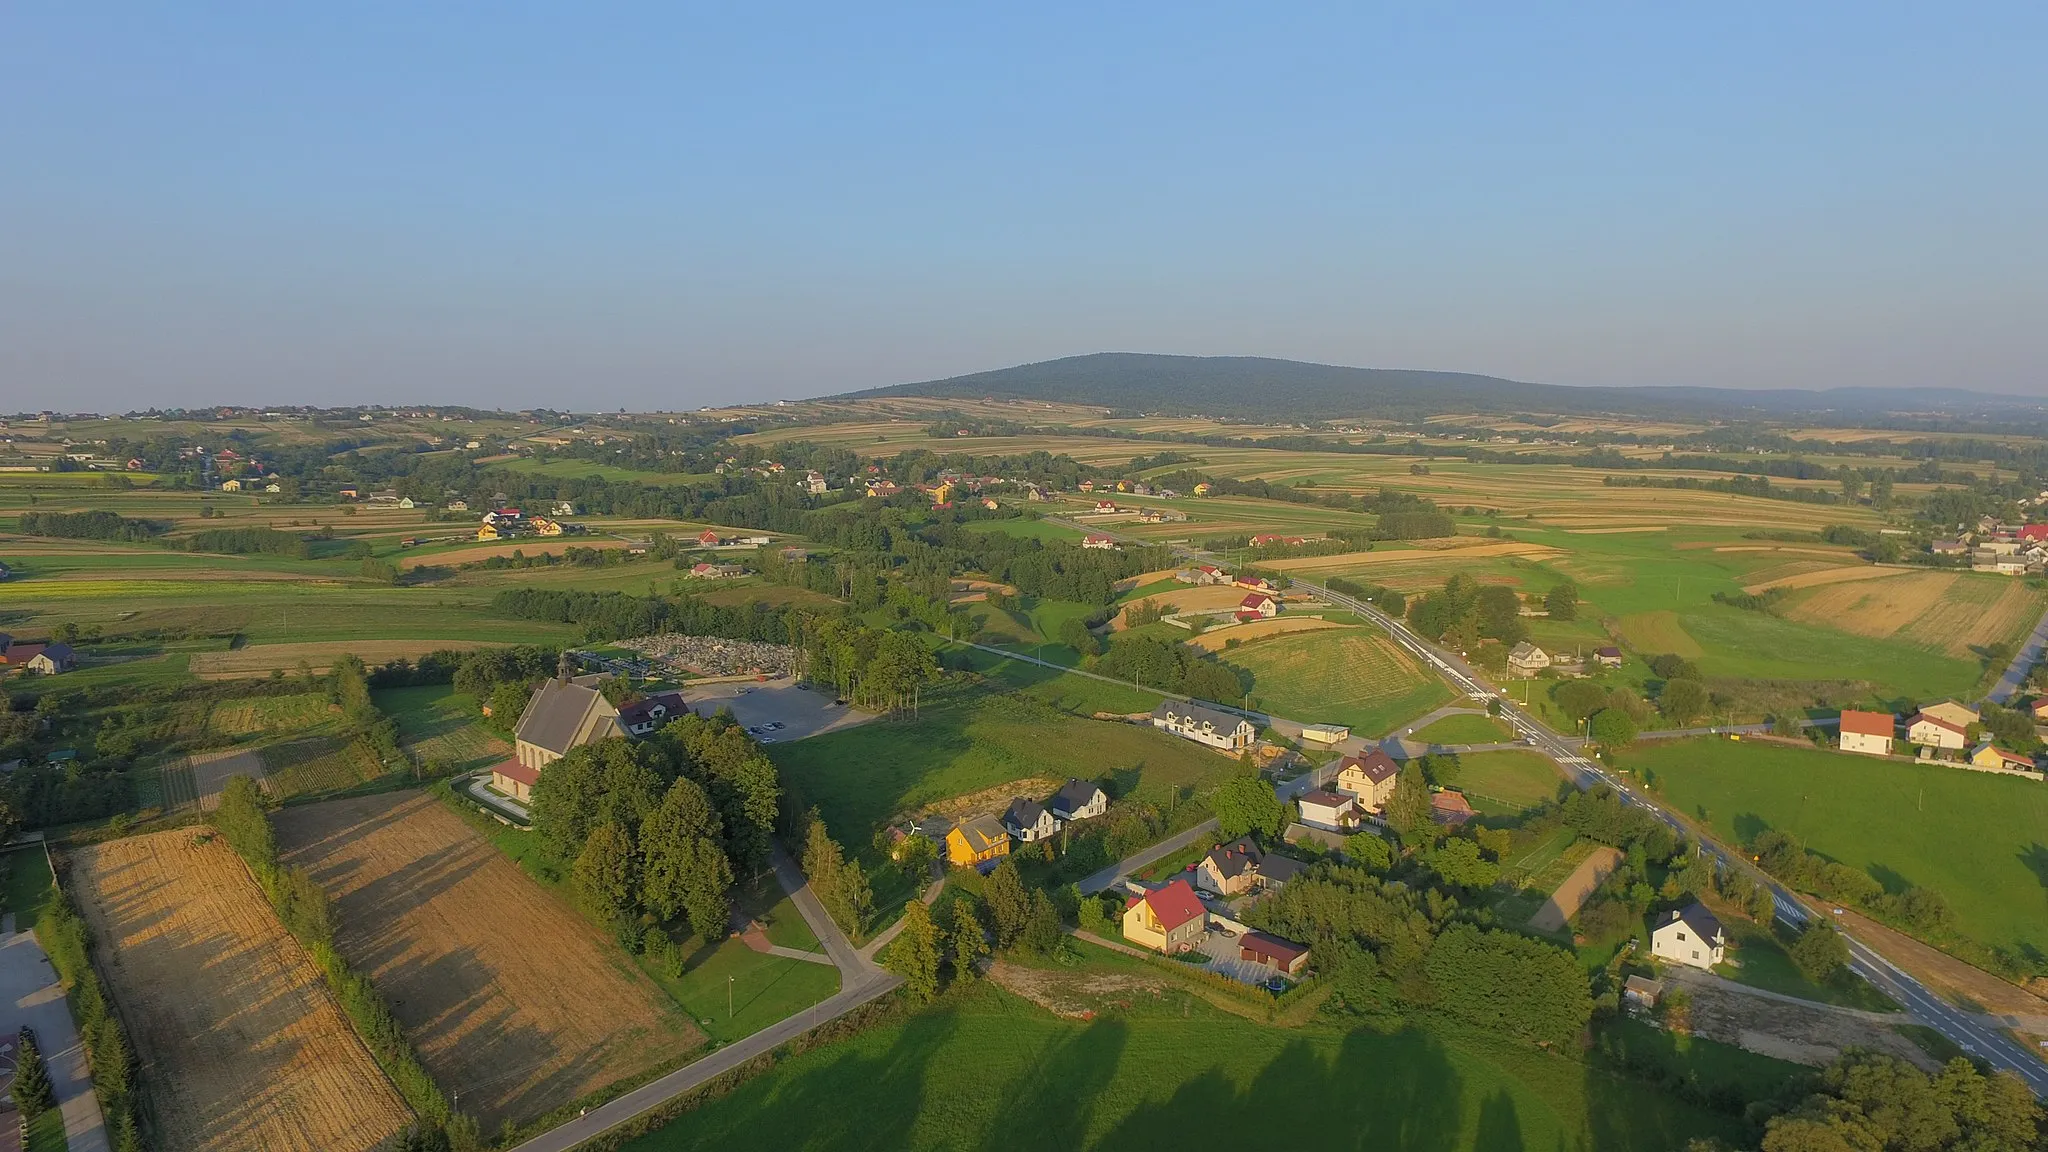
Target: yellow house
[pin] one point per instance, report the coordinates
(943, 494)
(545, 527)
(487, 532)
(1168, 919)
(977, 842)
(1202, 489)
(231, 486)
(1987, 755)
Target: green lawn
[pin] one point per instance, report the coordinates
(984, 1069)
(1707, 1066)
(1760, 960)
(1979, 840)
(30, 888)
(1029, 529)
(861, 776)
(1353, 676)
(440, 724)
(1465, 730)
(763, 988)
(1514, 780)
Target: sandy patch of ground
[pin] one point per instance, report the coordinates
(259, 659)
(1074, 995)
(1565, 902)
(992, 801)
(1217, 639)
(976, 591)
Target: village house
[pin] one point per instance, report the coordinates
(1866, 732)
(1935, 732)
(1256, 583)
(641, 717)
(1528, 659)
(1329, 811)
(1204, 574)
(1988, 755)
(1957, 715)
(708, 571)
(1098, 540)
(1028, 822)
(40, 659)
(1205, 725)
(816, 484)
(1167, 919)
(1240, 866)
(1949, 546)
(1162, 515)
(1105, 506)
(1370, 778)
(562, 508)
(458, 505)
(1690, 936)
(1325, 733)
(795, 555)
(1283, 956)
(977, 843)
(1079, 800)
(1608, 657)
(1450, 808)
(708, 539)
(1257, 606)
(542, 526)
(2040, 707)
(488, 531)
(1641, 991)
(1264, 539)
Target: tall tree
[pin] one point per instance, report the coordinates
(683, 868)
(915, 954)
(1008, 903)
(33, 1094)
(970, 939)
(604, 872)
(1408, 809)
(1562, 601)
(1246, 803)
(1682, 701)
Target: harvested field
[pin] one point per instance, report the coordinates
(1948, 612)
(1216, 639)
(1570, 896)
(1616, 531)
(240, 1045)
(1144, 578)
(1208, 598)
(211, 771)
(259, 659)
(525, 546)
(1839, 575)
(509, 996)
(1979, 611)
(1343, 560)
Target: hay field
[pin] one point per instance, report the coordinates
(1814, 579)
(241, 1046)
(1191, 598)
(317, 764)
(1217, 639)
(260, 659)
(1347, 561)
(1355, 676)
(1949, 612)
(1658, 632)
(509, 996)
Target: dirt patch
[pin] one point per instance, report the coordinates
(991, 801)
(509, 996)
(1217, 639)
(976, 591)
(260, 659)
(1075, 995)
(1787, 1031)
(211, 770)
(240, 1045)
(1570, 896)
(1144, 578)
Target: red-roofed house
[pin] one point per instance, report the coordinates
(707, 539)
(1935, 732)
(2034, 533)
(1284, 956)
(1098, 540)
(1257, 606)
(1105, 505)
(1867, 732)
(1168, 919)
(514, 779)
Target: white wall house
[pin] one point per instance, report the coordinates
(1690, 936)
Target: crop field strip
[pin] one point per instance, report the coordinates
(509, 996)
(242, 1049)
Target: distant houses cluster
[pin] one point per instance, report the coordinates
(1940, 732)
(982, 841)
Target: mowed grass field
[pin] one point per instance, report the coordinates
(242, 1047)
(1979, 840)
(1354, 676)
(509, 996)
(1507, 780)
(437, 723)
(985, 1069)
(862, 776)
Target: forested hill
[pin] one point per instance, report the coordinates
(1258, 388)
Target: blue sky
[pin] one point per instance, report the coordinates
(664, 205)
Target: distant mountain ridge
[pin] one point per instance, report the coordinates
(1261, 388)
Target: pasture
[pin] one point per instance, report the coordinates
(1979, 840)
(984, 1068)
(1354, 676)
(974, 741)
(1513, 781)
(510, 998)
(437, 723)
(1464, 728)
(242, 1049)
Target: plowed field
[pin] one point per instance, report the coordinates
(510, 997)
(240, 1045)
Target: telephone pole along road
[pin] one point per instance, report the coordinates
(1972, 1036)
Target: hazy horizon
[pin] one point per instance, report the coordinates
(653, 208)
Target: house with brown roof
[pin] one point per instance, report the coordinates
(641, 717)
(514, 779)
(1330, 811)
(1931, 731)
(1169, 918)
(1240, 866)
(977, 843)
(1528, 659)
(1370, 777)
(1283, 956)
(1866, 732)
(1989, 756)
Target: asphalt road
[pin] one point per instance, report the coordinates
(2015, 677)
(1123, 868)
(31, 995)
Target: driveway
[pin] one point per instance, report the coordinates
(1225, 960)
(30, 994)
(801, 711)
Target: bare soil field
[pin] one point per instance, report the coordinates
(1813, 1036)
(259, 659)
(211, 771)
(509, 996)
(240, 1044)
(1565, 902)
(1217, 639)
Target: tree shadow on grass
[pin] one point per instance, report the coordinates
(1055, 1100)
(2035, 858)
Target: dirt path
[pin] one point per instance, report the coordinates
(1571, 895)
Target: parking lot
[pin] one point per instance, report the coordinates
(776, 711)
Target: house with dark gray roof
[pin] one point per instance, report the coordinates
(1079, 800)
(1242, 866)
(560, 716)
(1205, 725)
(1690, 936)
(1028, 821)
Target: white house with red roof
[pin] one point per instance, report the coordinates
(1257, 606)
(1169, 918)
(1867, 732)
(1098, 540)
(1935, 732)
